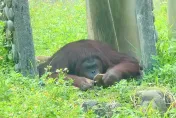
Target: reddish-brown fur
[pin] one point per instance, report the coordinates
(124, 70)
(73, 54)
(80, 82)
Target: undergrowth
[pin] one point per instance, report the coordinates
(54, 25)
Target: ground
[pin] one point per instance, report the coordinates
(54, 25)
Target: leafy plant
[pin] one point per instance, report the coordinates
(55, 24)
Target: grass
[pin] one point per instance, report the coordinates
(54, 25)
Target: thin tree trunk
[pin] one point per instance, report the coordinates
(172, 18)
(147, 34)
(22, 39)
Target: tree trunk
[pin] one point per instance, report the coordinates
(172, 18)
(117, 21)
(100, 24)
(147, 33)
(123, 12)
(22, 39)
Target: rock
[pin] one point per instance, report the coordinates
(100, 109)
(158, 99)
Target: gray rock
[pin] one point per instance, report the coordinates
(100, 109)
(156, 98)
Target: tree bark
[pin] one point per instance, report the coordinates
(127, 25)
(147, 33)
(172, 18)
(22, 39)
(123, 14)
(100, 24)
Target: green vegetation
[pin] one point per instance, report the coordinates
(54, 25)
